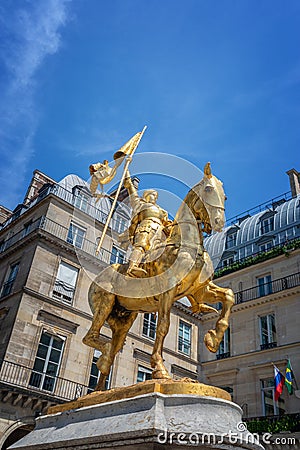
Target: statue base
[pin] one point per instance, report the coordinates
(163, 386)
(144, 421)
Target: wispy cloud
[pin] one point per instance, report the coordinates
(29, 34)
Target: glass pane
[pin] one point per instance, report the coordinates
(264, 330)
(55, 356)
(93, 383)
(57, 343)
(70, 234)
(35, 379)
(45, 339)
(78, 241)
(152, 330)
(67, 274)
(42, 351)
(268, 383)
(39, 365)
(13, 272)
(143, 374)
(48, 384)
(146, 324)
(52, 369)
(272, 328)
(94, 370)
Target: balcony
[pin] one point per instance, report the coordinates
(271, 288)
(269, 205)
(71, 199)
(280, 249)
(54, 388)
(223, 355)
(274, 424)
(60, 232)
(268, 345)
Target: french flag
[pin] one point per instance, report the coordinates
(278, 382)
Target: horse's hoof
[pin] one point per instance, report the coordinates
(211, 341)
(159, 374)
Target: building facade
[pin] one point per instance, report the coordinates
(48, 260)
(258, 256)
(47, 263)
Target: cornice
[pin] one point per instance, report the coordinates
(57, 303)
(250, 354)
(256, 302)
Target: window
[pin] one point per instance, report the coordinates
(265, 247)
(227, 261)
(120, 224)
(267, 332)
(47, 362)
(64, 286)
(117, 256)
(27, 228)
(143, 374)
(76, 235)
(149, 325)
(184, 337)
(94, 375)
(224, 348)
(82, 200)
(264, 285)
(231, 239)
(269, 406)
(12, 275)
(267, 225)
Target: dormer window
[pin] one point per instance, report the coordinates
(231, 239)
(266, 246)
(267, 225)
(227, 261)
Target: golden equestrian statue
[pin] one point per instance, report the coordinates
(168, 262)
(149, 224)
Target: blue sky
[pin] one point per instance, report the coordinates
(214, 81)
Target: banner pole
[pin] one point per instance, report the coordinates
(128, 161)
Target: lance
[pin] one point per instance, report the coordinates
(126, 165)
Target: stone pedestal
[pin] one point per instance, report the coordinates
(144, 422)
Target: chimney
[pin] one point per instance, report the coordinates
(294, 177)
(37, 182)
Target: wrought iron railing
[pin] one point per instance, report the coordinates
(273, 424)
(268, 345)
(72, 198)
(21, 376)
(257, 257)
(223, 355)
(270, 204)
(268, 288)
(61, 232)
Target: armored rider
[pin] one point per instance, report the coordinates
(149, 225)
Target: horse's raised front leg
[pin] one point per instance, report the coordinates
(120, 327)
(215, 294)
(163, 324)
(103, 303)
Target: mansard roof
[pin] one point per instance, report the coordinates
(286, 214)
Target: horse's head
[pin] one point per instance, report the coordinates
(211, 195)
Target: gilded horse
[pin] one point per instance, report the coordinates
(175, 268)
